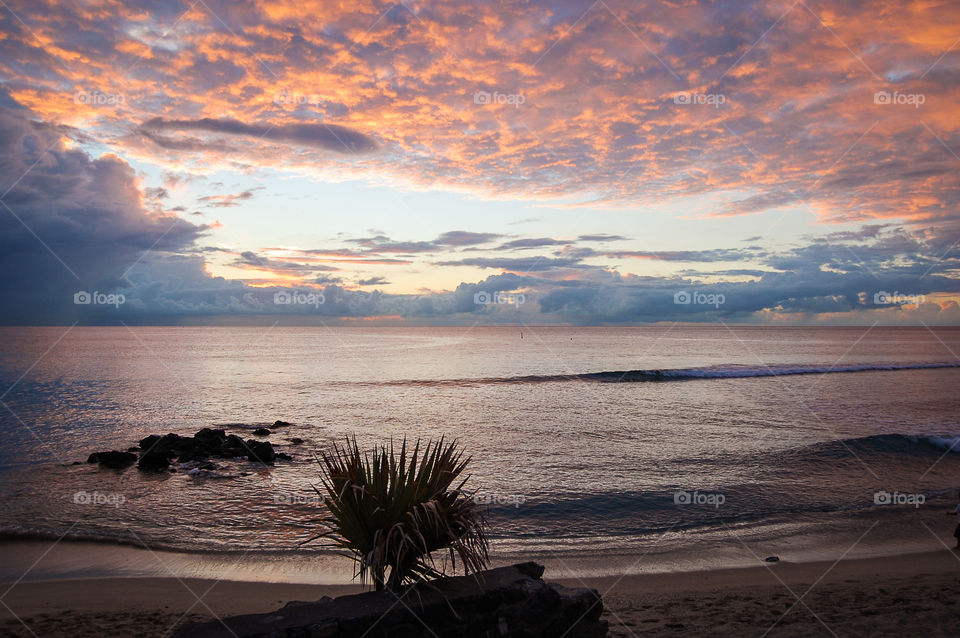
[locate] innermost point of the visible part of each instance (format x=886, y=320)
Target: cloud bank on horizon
x=605, y=162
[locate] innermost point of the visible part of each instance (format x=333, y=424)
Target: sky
x=563, y=162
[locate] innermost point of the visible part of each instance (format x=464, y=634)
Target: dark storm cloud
x=70, y=223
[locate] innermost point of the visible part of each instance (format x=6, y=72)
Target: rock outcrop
x=157, y=452
x=509, y=601
x=113, y=459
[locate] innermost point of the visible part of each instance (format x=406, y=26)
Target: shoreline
x=697, y=602
x=35, y=560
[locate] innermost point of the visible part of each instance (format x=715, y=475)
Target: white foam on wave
x=950, y=442
x=728, y=372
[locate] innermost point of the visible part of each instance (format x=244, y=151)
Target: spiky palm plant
x=391, y=512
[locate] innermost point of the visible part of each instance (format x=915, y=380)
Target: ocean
x=598, y=450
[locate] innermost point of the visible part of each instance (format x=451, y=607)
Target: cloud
x=381, y=244
x=535, y=242
x=80, y=223
x=799, y=126
x=602, y=238
x=227, y=200
x=252, y=260
x=373, y=281
x=712, y=255
x=71, y=222
x=330, y=137
x=516, y=264
x=465, y=238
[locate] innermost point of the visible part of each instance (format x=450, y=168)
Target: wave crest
x=728, y=371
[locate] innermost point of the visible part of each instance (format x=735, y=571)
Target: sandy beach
x=911, y=594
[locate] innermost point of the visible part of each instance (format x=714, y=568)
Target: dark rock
x=772, y=559
x=298, y=603
x=509, y=601
x=283, y=457
x=191, y=449
x=280, y=424
x=168, y=444
x=114, y=460
x=160, y=450
x=211, y=439
x=233, y=446
x=261, y=451
x=153, y=461
x=261, y=432
x=133, y=449
x=149, y=441
x=296, y=441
